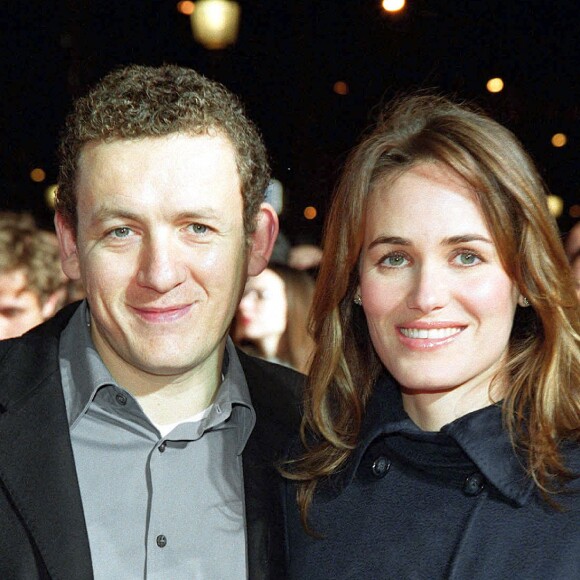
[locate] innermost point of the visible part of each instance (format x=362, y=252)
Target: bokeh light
x=49, y=196
x=38, y=175
x=559, y=140
x=393, y=5
x=555, y=205
x=340, y=88
x=495, y=85
x=575, y=211
x=185, y=7
x=310, y=212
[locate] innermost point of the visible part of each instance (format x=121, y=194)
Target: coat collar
x=479, y=435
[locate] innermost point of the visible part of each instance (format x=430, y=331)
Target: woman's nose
x=430, y=289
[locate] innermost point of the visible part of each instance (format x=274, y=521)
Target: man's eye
x=198, y=228
x=122, y=232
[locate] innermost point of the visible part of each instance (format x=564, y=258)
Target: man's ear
x=262, y=240
x=69, y=255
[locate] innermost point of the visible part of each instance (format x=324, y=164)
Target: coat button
x=381, y=466
x=162, y=447
x=121, y=399
x=473, y=484
x=161, y=541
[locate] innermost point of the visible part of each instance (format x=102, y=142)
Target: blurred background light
x=494, y=85
x=340, y=88
x=393, y=5
x=215, y=23
x=310, y=212
x=559, y=140
x=38, y=175
x=575, y=211
x=555, y=205
x=50, y=195
x=185, y=7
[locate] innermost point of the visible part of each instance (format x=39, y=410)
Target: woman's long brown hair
x=541, y=408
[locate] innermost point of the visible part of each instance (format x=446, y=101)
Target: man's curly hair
x=142, y=101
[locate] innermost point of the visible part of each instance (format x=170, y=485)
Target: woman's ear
x=263, y=239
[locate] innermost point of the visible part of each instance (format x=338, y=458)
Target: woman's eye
x=468, y=258
x=395, y=261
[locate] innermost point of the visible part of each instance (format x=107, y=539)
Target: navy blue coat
x=455, y=504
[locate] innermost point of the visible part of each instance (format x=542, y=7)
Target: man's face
x=20, y=307
x=161, y=251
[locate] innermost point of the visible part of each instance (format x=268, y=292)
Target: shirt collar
x=480, y=435
x=234, y=392
x=82, y=370
x=83, y=373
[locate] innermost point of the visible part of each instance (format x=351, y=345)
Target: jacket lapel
x=274, y=398
x=36, y=460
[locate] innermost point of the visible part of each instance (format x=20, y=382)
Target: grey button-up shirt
x=156, y=507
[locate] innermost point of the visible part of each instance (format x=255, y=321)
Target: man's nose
x=160, y=266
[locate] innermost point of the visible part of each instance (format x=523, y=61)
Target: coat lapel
x=36, y=461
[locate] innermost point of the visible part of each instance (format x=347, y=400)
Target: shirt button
x=162, y=447
x=381, y=466
x=121, y=399
x=473, y=484
x=161, y=541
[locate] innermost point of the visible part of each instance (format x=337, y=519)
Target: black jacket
x=42, y=527
x=456, y=504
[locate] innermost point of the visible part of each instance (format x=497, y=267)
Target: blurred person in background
x=573, y=253
x=442, y=412
x=32, y=284
x=272, y=318
x=305, y=257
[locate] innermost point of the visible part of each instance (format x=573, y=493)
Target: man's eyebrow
x=449, y=241
x=107, y=213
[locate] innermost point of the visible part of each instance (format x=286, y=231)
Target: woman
x=440, y=436
x=271, y=321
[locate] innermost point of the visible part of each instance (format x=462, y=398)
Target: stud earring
x=357, y=300
x=524, y=302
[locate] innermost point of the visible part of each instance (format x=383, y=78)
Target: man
x=32, y=283
x=135, y=442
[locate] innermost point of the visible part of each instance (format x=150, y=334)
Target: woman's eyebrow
x=393, y=240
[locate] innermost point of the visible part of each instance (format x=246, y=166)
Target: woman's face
x=438, y=302
x=262, y=310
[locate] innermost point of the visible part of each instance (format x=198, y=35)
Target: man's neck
x=175, y=402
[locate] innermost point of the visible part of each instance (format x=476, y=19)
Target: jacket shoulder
x=25, y=361
x=275, y=390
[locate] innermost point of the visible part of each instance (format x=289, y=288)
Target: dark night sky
x=288, y=56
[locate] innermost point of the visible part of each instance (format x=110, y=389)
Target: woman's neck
x=431, y=410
